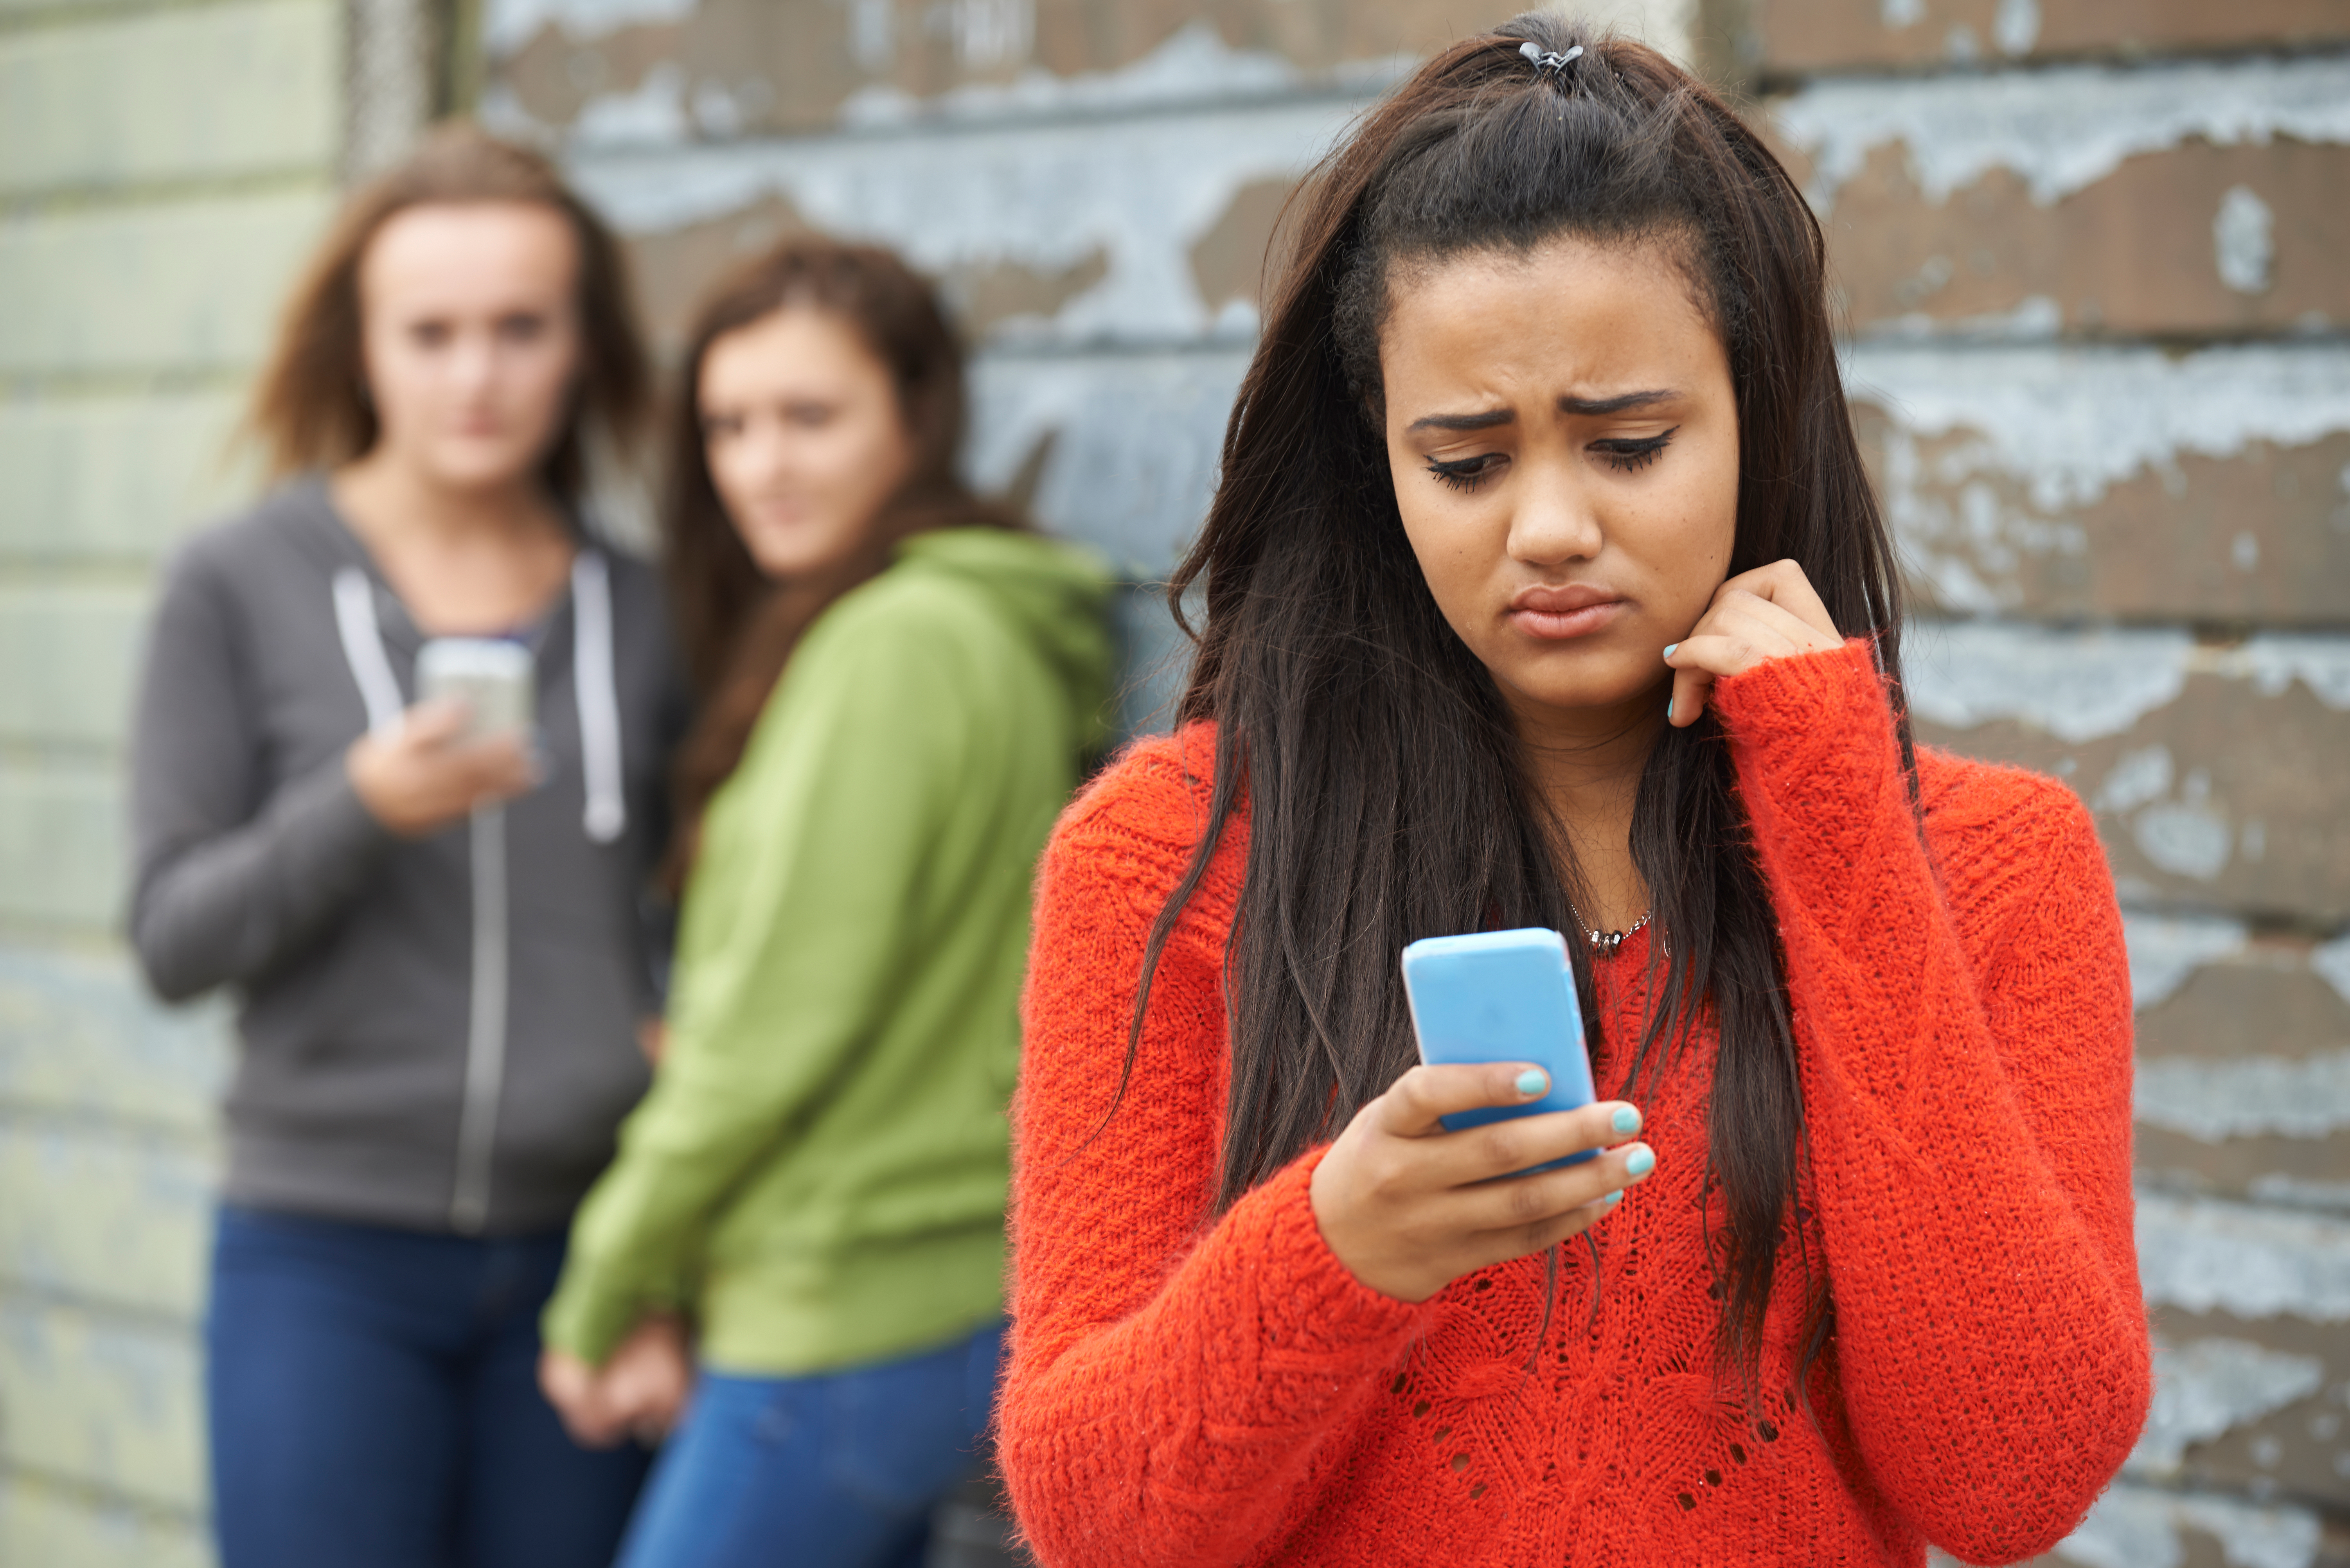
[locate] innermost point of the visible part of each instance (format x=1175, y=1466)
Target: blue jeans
x=837, y=1470
x=374, y=1404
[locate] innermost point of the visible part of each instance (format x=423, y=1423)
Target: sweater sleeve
x=228, y=882
x=1171, y=1384
x=1968, y=1119
x=793, y=935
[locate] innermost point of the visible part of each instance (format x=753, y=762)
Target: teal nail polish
x=1532, y=1083
x=1639, y=1162
x=1626, y=1119
x=1612, y=1199
x=1668, y=649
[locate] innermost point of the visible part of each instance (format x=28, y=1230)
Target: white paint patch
x=508, y=25
x=1194, y=65
x=2274, y=661
x=2138, y=1526
x=651, y=114
x=2204, y=1255
x=1136, y=441
x=2060, y=130
x=2207, y=1388
x=2242, y=240
x=2139, y=778
x=2184, y=839
x=2245, y=1096
x=2047, y=430
x=1141, y=190
x=2076, y=686
x=2015, y=27
x=2070, y=424
x=2165, y=950
x=2332, y=962
x=2297, y=1192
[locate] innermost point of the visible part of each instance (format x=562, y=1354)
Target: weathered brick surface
x=61, y=856
x=135, y=289
x=126, y=1219
x=1805, y=35
x=66, y=494
x=82, y=1043
x=735, y=67
x=2192, y=241
x=61, y=1526
x=111, y=1401
x=2123, y=482
x=2221, y=796
x=71, y=652
x=201, y=93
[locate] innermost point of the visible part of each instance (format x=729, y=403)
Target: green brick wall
x=162, y=169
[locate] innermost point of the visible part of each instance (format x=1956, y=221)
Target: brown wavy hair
x=1334, y=681
x=738, y=626
x=310, y=407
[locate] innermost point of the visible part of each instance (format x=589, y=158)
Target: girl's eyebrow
x=1620, y=403
x=1616, y=404
x=1483, y=421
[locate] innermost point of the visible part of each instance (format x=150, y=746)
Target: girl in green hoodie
x=899, y=684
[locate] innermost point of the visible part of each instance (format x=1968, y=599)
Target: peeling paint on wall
x=1193, y=66
x=2080, y=685
x=2138, y=1527
x=1136, y=440
x=2059, y=129
x=2204, y=1255
x=2165, y=949
x=2244, y=1096
x=507, y=24
x=2209, y=1386
x=1140, y=191
x=2072, y=422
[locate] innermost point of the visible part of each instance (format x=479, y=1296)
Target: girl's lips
x=1561, y=624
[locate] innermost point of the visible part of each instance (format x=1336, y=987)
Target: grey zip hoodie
x=438, y=1034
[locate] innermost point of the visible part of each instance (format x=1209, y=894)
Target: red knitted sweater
x=1192, y=1389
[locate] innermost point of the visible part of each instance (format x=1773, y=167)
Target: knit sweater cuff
x=1314, y=1306
x=1835, y=685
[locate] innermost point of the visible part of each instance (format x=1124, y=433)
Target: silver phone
x=490, y=675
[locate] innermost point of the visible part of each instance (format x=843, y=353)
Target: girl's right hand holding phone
x=422, y=775
x=1409, y=1207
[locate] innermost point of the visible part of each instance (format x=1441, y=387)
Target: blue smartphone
x=1501, y=996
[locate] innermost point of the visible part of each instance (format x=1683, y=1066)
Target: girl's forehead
x=1574, y=318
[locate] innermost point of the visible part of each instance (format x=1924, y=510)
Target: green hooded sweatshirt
x=818, y=1173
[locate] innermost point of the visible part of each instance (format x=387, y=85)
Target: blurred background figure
x=900, y=683
x=433, y=932
x=2088, y=256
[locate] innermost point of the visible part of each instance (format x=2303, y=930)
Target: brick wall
x=161, y=167
x=2089, y=253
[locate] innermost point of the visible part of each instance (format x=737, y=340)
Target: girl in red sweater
x=1544, y=587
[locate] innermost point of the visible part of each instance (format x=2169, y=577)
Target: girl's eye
x=1626, y=455
x=1466, y=472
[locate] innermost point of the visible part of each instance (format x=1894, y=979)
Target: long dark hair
x=1384, y=787
x=310, y=407
x=738, y=626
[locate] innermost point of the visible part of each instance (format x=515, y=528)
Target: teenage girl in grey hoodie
x=434, y=940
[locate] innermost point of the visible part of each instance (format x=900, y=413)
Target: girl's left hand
x=1768, y=613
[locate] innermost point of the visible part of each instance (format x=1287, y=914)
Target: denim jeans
x=374, y=1404
x=835, y=1471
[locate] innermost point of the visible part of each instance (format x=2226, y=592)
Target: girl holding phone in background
x=433, y=935
x=899, y=682
x=1545, y=587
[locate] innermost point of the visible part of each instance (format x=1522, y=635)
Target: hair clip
x=1544, y=61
